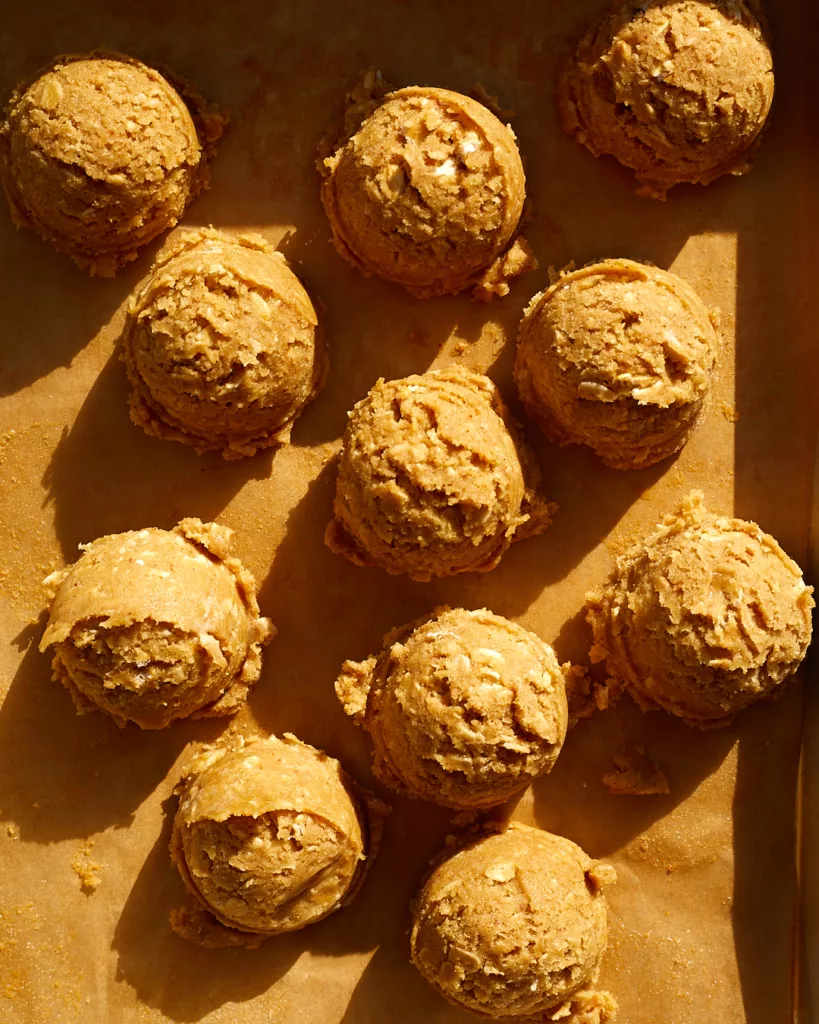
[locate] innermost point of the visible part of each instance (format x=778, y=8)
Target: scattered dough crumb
x=492, y=102
x=516, y=260
x=635, y=774
x=463, y=819
x=13, y=830
x=86, y=869
x=195, y=924
x=729, y=411
x=583, y=694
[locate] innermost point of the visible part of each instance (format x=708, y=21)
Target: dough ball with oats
x=156, y=625
x=100, y=154
x=464, y=708
x=222, y=345
x=270, y=836
x=514, y=925
x=434, y=478
x=428, y=193
x=703, y=618
x=676, y=90
x=617, y=356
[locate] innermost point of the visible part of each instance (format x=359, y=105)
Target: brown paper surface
x=702, y=919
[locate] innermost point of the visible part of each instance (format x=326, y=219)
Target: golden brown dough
x=155, y=625
x=464, y=708
x=677, y=90
x=514, y=926
x=100, y=154
x=428, y=193
x=617, y=356
x=702, y=618
x=270, y=836
x=434, y=478
x=222, y=345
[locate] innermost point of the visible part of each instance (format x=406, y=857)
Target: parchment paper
x=703, y=914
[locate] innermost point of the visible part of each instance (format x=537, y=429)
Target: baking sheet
x=703, y=914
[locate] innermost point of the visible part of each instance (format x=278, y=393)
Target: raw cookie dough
x=270, y=835
x=100, y=154
x=433, y=478
x=677, y=90
x=514, y=926
x=154, y=625
x=617, y=356
x=428, y=193
x=703, y=618
x=464, y=708
x=222, y=345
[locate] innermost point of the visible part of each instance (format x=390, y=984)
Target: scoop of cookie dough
x=434, y=478
x=464, y=708
x=100, y=154
x=617, y=356
x=222, y=345
x=677, y=90
x=703, y=618
x=155, y=625
x=270, y=835
x=513, y=925
x=428, y=194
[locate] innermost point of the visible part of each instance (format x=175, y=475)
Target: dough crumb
x=584, y=695
x=13, y=830
x=587, y=1007
x=196, y=925
x=518, y=259
x=492, y=102
x=86, y=869
x=729, y=411
x=635, y=774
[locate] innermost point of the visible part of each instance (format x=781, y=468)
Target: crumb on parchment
x=635, y=774
x=86, y=869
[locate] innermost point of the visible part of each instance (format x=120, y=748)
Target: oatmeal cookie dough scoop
x=676, y=90
x=100, y=154
x=703, y=618
x=618, y=356
x=428, y=193
x=222, y=345
x=270, y=836
x=156, y=625
x=464, y=708
x=434, y=478
x=514, y=926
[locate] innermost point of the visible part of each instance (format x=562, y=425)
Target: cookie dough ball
x=677, y=90
x=514, y=926
x=222, y=345
x=155, y=625
x=464, y=708
x=270, y=836
x=703, y=618
x=427, y=193
x=617, y=356
x=101, y=154
x=433, y=478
